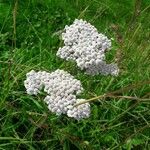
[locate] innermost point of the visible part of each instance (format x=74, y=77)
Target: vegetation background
x=29, y=39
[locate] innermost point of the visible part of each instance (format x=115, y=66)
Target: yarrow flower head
x=83, y=44
x=61, y=88
x=79, y=112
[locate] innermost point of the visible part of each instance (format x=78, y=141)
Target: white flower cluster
x=87, y=47
x=79, y=112
x=62, y=89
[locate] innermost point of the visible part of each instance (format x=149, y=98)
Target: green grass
x=25, y=121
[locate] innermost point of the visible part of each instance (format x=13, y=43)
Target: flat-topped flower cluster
x=62, y=89
x=83, y=44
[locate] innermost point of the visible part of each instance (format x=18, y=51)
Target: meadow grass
x=30, y=37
